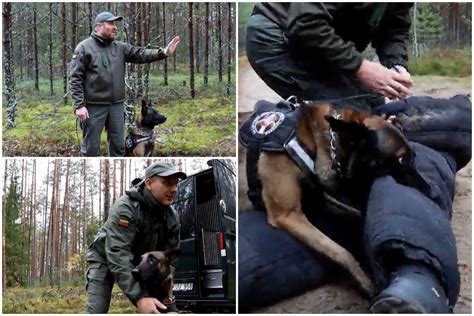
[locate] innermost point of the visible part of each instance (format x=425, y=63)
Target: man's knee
x=99, y=288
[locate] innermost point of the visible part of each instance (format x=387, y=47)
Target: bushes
x=442, y=62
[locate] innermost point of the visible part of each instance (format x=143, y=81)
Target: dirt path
x=343, y=299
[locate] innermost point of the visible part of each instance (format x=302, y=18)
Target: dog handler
x=140, y=221
x=312, y=50
x=97, y=83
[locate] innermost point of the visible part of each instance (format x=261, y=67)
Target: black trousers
x=268, y=54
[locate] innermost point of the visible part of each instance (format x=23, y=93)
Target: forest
x=195, y=87
x=52, y=208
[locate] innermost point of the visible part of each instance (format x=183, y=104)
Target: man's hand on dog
x=387, y=82
x=149, y=305
x=171, y=48
x=82, y=113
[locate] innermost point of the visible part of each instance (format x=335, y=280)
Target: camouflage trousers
x=99, y=284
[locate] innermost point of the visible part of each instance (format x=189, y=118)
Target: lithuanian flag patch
x=123, y=222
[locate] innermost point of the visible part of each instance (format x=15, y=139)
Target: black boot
x=413, y=289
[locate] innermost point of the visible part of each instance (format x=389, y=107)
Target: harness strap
x=254, y=193
x=300, y=156
x=143, y=139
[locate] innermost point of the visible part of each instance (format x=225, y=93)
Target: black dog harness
x=139, y=135
x=272, y=128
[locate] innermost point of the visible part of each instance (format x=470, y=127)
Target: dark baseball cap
x=107, y=17
x=163, y=170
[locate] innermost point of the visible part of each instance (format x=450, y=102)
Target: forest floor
x=54, y=300
x=342, y=298
x=204, y=126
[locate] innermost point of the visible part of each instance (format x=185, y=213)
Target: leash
x=294, y=100
x=77, y=134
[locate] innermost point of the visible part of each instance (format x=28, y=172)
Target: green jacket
x=97, y=70
x=137, y=224
x=335, y=34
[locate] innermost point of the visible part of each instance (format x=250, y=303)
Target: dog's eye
x=401, y=160
x=151, y=259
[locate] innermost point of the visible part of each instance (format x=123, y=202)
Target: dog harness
x=272, y=128
x=138, y=135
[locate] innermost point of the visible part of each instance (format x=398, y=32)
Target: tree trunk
x=106, y=190
x=121, y=176
x=85, y=213
x=206, y=47
x=196, y=26
x=74, y=25
x=50, y=52
x=89, y=15
x=35, y=48
x=229, y=48
x=219, y=40
x=174, y=34
x=138, y=23
x=8, y=66
x=4, y=274
x=165, y=61
x=191, y=50
x=146, y=43
x=64, y=51
x=45, y=230
x=130, y=72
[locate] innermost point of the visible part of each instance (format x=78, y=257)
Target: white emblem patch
x=267, y=122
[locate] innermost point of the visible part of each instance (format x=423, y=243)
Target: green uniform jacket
x=97, y=70
x=335, y=34
x=136, y=224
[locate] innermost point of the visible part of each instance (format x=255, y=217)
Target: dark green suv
x=205, y=274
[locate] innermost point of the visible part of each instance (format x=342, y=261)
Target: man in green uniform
x=97, y=83
x=140, y=221
x=314, y=50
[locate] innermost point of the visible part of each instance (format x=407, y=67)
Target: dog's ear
x=144, y=107
x=150, y=104
x=172, y=253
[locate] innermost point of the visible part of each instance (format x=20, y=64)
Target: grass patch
x=64, y=300
x=442, y=62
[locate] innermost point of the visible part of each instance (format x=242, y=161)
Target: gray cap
x=107, y=16
x=163, y=170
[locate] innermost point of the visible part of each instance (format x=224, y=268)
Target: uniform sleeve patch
x=123, y=222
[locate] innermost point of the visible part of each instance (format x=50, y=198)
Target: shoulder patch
x=123, y=221
x=267, y=122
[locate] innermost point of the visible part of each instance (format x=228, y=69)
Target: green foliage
x=442, y=62
x=92, y=230
x=16, y=255
x=429, y=23
x=67, y=299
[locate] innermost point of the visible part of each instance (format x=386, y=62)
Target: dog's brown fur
x=162, y=264
x=282, y=192
x=140, y=150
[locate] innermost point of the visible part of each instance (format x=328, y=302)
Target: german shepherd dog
x=141, y=141
x=366, y=146
x=154, y=273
